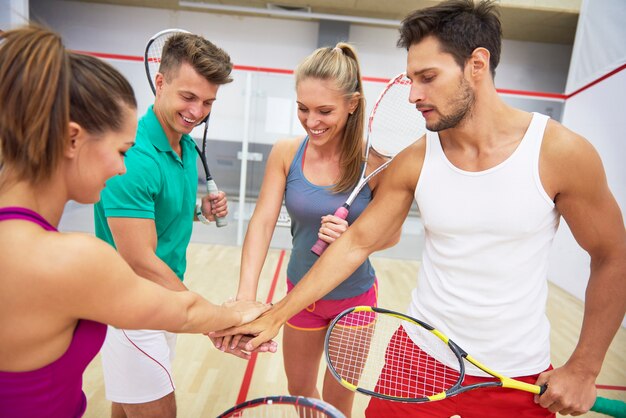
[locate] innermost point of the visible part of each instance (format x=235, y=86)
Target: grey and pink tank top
x=306, y=204
x=54, y=390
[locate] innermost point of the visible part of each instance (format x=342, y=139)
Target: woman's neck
x=43, y=199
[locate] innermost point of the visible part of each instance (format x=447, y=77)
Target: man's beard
x=463, y=104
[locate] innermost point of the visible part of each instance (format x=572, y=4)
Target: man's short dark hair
x=460, y=26
x=207, y=59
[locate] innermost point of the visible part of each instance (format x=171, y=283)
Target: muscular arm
x=136, y=241
x=573, y=171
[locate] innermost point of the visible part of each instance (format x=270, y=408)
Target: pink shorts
x=319, y=315
x=478, y=403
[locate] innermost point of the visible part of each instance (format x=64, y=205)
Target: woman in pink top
x=65, y=124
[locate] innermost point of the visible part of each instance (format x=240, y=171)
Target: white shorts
x=137, y=365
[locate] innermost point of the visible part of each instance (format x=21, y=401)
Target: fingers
x=263, y=337
x=223, y=345
x=215, y=205
x=233, y=341
x=334, y=220
x=542, y=380
x=241, y=329
x=218, y=342
x=272, y=346
x=226, y=343
x=266, y=347
x=237, y=346
x=565, y=394
x=253, y=310
x=331, y=228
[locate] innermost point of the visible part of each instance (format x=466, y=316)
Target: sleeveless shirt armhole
x=430, y=136
x=301, y=149
x=540, y=123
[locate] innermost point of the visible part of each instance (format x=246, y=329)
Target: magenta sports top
x=54, y=390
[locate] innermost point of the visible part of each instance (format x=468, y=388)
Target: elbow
x=395, y=239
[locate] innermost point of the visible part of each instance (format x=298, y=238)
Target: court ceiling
x=551, y=21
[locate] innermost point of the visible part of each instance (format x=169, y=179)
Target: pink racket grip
x=211, y=188
x=320, y=246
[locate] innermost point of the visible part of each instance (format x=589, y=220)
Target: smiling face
x=439, y=88
x=183, y=99
x=323, y=109
x=92, y=159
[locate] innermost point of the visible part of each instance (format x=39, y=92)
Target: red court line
x=533, y=94
x=247, y=376
x=262, y=69
x=611, y=387
x=375, y=79
x=539, y=94
x=593, y=83
x=111, y=56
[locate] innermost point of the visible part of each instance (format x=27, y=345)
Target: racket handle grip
x=610, y=407
x=211, y=188
x=320, y=246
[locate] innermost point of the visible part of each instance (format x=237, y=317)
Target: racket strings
x=153, y=55
x=395, y=123
x=375, y=353
x=410, y=372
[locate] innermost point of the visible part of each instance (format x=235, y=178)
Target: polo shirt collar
x=158, y=138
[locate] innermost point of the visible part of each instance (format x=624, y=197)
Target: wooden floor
x=208, y=381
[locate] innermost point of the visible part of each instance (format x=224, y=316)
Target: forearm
x=253, y=254
x=605, y=306
x=156, y=270
x=202, y=316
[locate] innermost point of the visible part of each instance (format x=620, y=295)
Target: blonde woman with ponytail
x=314, y=175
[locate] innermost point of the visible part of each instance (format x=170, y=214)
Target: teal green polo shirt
x=157, y=185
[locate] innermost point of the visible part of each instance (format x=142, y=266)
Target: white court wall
x=597, y=113
x=275, y=43
x=13, y=13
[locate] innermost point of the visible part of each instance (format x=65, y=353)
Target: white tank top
x=483, y=278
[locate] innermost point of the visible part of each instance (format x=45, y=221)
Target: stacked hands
x=236, y=342
x=257, y=327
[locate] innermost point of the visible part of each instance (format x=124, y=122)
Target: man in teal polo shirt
x=148, y=213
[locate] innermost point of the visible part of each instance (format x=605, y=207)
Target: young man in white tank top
x=491, y=182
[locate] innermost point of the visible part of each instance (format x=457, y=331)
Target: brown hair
x=460, y=26
x=208, y=60
x=341, y=65
x=42, y=87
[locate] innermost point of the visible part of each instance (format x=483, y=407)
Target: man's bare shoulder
x=568, y=161
x=407, y=166
x=415, y=153
x=559, y=142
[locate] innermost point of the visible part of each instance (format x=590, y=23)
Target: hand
x=263, y=328
x=571, y=390
x=248, y=309
x=214, y=205
x=331, y=228
x=236, y=347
